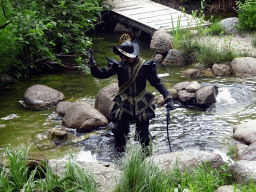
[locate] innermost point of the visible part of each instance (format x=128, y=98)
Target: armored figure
x=132, y=103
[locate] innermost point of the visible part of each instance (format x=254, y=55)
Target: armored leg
x=143, y=131
x=120, y=131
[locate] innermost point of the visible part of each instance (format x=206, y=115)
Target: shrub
x=247, y=14
x=42, y=31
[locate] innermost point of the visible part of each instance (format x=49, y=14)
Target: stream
x=190, y=128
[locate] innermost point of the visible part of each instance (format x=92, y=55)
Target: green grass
x=143, y=175
x=17, y=176
x=254, y=40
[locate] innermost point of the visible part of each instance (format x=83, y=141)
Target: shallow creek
x=190, y=127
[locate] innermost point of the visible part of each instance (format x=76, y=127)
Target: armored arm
x=103, y=73
x=155, y=81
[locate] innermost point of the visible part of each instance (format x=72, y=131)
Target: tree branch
x=5, y=25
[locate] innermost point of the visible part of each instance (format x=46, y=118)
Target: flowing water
x=190, y=127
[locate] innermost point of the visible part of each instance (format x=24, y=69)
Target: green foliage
x=247, y=14
x=254, y=40
x=216, y=28
x=41, y=31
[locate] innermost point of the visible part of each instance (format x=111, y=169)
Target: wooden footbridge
x=148, y=16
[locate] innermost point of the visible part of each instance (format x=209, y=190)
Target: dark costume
x=132, y=103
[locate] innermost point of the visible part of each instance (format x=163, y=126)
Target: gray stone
x=83, y=117
x=158, y=58
x=248, y=153
x=62, y=107
x=104, y=99
x=120, y=28
x=189, y=159
x=221, y=69
x=245, y=132
x=191, y=73
x=193, y=87
x=174, y=58
x=240, y=147
x=187, y=97
x=58, y=134
x=181, y=86
x=243, y=171
x=159, y=100
x=227, y=188
x=40, y=97
x=161, y=41
x=244, y=65
x=229, y=25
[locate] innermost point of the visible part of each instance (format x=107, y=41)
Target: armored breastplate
x=134, y=100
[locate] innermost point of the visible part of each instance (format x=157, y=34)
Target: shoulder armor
x=150, y=62
x=112, y=61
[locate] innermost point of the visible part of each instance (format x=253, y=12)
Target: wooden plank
x=159, y=16
x=141, y=10
x=149, y=16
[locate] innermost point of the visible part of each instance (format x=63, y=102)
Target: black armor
x=132, y=103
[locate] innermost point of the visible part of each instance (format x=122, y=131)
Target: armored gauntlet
x=169, y=103
x=91, y=61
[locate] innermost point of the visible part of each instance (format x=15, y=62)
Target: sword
x=168, y=121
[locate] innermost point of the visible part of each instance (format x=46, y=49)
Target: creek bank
x=168, y=56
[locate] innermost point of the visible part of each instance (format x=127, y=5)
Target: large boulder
x=106, y=174
x=105, y=98
x=40, y=97
x=174, y=58
x=249, y=153
x=245, y=132
x=187, y=159
x=83, y=117
x=206, y=95
x=243, y=171
x=229, y=25
x=161, y=41
x=244, y=65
